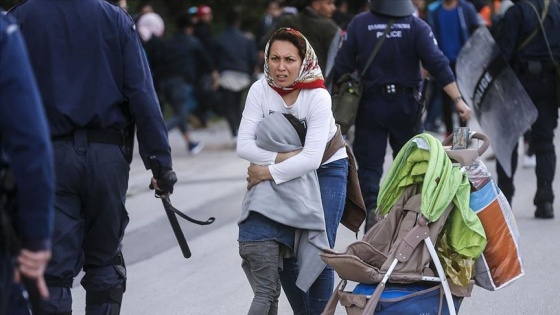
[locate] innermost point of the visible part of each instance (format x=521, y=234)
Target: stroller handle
x=474, y=135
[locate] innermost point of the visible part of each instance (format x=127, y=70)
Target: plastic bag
x=500, y=264
x=459, y=269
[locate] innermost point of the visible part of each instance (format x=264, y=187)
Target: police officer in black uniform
x=95, y=81
x=25, y=148
x=388, y=108
x=533, y=50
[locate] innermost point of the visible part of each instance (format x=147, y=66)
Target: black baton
x=172, y=212
x=34, y=296
x=423, y=99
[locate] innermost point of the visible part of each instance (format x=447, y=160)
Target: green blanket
x=423, y=160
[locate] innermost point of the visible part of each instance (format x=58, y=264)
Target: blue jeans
x=332, y=180
x=261, y=264
x=180, y=96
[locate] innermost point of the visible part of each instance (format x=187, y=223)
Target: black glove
x=166, y=181
x=164, y=176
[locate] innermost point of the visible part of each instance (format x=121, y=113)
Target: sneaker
x=195, y=147
x=529, y=161
x=491, y=157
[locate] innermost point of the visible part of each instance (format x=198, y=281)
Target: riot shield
x=490, y=87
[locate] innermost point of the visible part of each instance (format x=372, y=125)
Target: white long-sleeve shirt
x=312, y=107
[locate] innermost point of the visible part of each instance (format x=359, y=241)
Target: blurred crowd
x=216, y=63
x=219, y=79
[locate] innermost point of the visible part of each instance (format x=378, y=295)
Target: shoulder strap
x=377, y=47
x=536, y=30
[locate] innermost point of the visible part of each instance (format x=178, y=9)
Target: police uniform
x=534, y=67
x=26, y=149
x=91, y=71
x=388, y=108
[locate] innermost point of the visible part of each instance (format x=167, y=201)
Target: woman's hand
x=256, y=174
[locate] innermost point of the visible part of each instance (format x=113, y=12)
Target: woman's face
x=284, y=63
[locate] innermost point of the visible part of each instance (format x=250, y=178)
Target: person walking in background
x=533, y=50
x=452, y=21
x=268, y=20
x=266, y=25
x=150, y=26
x=420, y=8
x=207, y=83
x=94, y=82
x=314, y=21
x=236, y=61
x=25, y=148
x=341, y=15
x=184, y=56
x=388, y=109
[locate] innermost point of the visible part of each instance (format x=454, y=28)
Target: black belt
x=106, y=136
x=58, y=282
x=392, y=89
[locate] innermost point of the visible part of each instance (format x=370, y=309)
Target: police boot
x=544, y=210
x=543, y=200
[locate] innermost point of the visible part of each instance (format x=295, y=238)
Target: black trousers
x=90, y=221
x=541, y=90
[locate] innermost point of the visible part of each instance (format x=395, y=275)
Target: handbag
x=345, y=103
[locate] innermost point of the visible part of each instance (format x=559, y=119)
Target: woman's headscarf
x=310, y=75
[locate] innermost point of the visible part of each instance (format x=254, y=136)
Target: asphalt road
x=161, y=281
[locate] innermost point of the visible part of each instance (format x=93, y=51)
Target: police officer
x=95, y=81
x=388, y=108
x=533, y=52
x=26, y=149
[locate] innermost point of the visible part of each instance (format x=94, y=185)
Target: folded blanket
x=295, y=203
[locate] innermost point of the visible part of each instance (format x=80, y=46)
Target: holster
x=128, y=146
x=557, y=69
x=128, y=132
x=9, y=241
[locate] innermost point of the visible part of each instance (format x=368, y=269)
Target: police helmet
x=396, y=8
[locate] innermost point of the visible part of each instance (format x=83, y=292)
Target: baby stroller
x=396, y=264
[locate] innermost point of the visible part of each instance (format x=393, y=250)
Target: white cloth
x=235, y=81
x=312, y=106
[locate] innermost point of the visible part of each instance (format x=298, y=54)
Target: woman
x=293, y=84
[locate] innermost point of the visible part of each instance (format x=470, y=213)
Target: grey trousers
x=262, y=262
